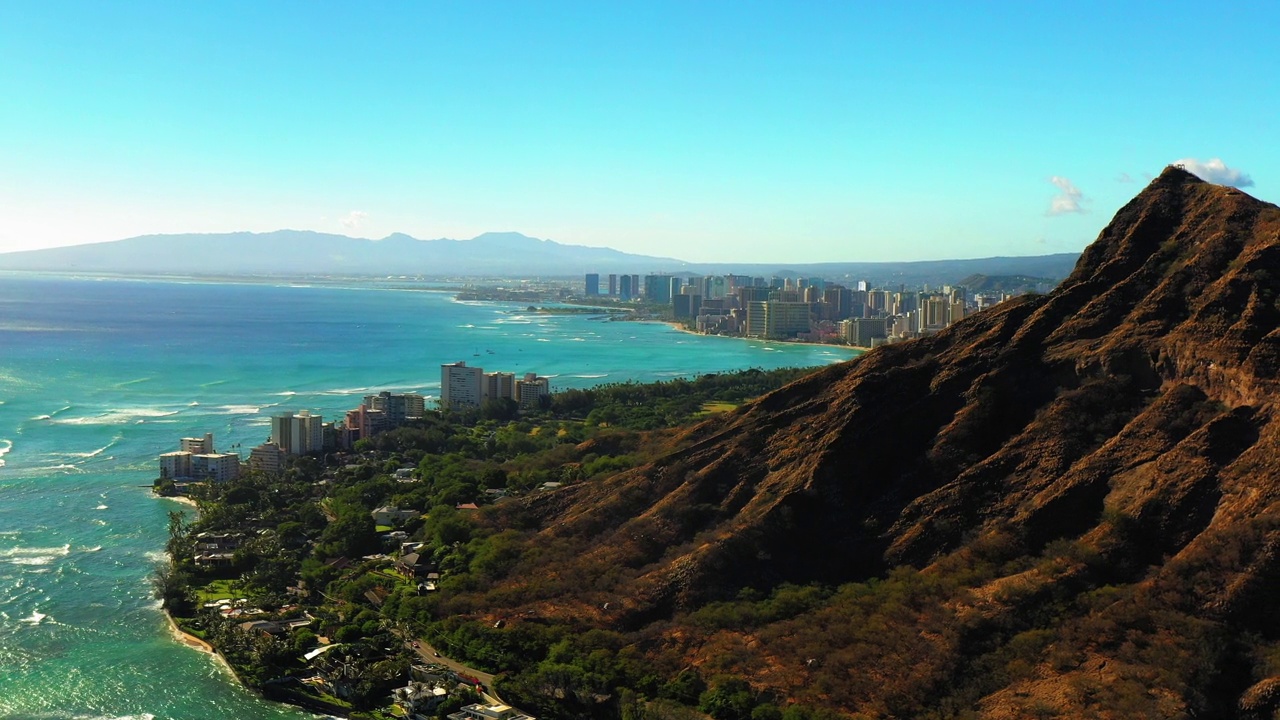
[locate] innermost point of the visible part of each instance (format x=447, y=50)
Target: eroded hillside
x=1064, y=505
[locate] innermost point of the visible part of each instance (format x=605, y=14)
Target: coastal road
x=431, y=655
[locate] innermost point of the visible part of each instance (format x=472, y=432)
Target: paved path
x=431, y=655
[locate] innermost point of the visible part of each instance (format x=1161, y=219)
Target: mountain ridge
x=1068, y=504
x=306, y=252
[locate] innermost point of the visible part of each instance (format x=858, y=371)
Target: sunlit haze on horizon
x=709, y=131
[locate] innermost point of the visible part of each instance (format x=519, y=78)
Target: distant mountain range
x=300, y=252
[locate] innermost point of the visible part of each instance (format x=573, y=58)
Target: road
x=431, y=655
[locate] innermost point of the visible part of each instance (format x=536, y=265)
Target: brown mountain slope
x=1087, y=482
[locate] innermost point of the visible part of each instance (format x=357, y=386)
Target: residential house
x=390, y=515
x=489, y=712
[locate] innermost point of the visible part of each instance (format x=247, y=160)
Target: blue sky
x=708, y=131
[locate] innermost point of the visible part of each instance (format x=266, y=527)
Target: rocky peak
x=1128, y=414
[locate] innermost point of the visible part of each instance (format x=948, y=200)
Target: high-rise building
x=837, y=302
x=218, y=467
x=365, y=422
x=498, y=385
x=676, y=282
x=197, y=446
x=752, y=294
x=716, y=288
x=531, y=390
x=298, y=434
x=862, y=332
x=593, y=284
x=685, y=306
x=756, y=312
x=777, y=319
x=183, y=465
x=613, y=285
x=175, y=465
x=267, y=458
x=657, y=288
x=196, y=459
x=397, y=407
x=935, y=310
x=624, y=288
x=461, y=387
x=877, y=301
x=786, y=319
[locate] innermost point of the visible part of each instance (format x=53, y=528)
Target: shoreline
x=194, y=643
x=190, y=640
x=681, y=328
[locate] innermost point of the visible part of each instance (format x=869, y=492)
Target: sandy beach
x=181, y=499
x=189, y=640
x=681, y=328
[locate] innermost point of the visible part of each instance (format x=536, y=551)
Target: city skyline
x=772, y=133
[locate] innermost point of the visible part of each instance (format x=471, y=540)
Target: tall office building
x=613, y=285
x=685, y=306
x=593, y=284
x=461, y=387
x=657, y=288
x=635, y=286
x=750, y=294
x=716, y=287
x=298, y=434
x=624, y=288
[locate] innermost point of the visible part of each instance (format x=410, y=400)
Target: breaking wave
x=99, y=451
x=35, y=618
x=33, y=555
x=121, y=416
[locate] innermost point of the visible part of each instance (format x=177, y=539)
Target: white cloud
x=1124, y=178
x=1068, y=198
x=1215, y=171
x=353, y=219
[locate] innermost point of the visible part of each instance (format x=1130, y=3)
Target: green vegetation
x=274, y=568
x=216, y=590
x=714, y=408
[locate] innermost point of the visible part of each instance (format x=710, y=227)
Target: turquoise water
x=99, y=376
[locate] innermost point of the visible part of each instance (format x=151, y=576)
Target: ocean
x=98, y=376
